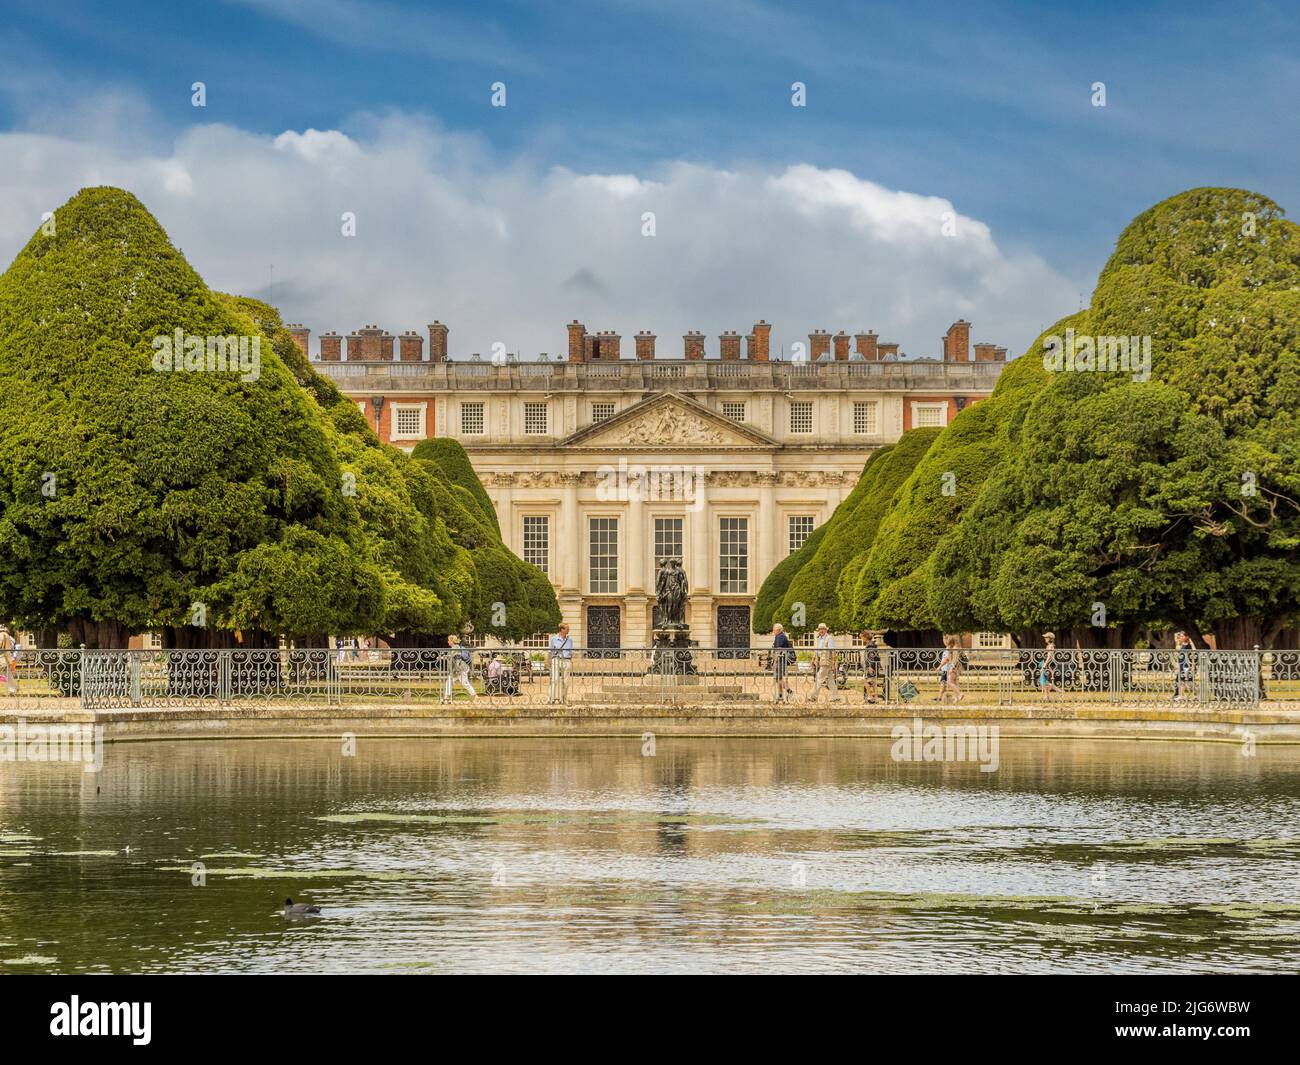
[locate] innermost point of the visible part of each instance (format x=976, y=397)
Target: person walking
x=458, y=663
x=824, y=665
x=1047, y=671
x=559, y=662
x=1183, y=676
x=870, y=666
x=950, y=670
x=782, y=656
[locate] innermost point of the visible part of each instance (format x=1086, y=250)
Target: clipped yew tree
x=513, y=598
x=1135, y=501
x=812, y=597
x=431, y=583
x=132, y=497
x=892, y=578
x=768, y=601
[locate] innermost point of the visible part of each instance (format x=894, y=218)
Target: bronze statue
x=671, y=591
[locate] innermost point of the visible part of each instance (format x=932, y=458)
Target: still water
x=712, y=855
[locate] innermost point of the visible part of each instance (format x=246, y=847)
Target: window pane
x=535, y=419
x=471, y=419
x=537, y=542
x=801, y=417
x=801, y=527
x=734, y=411
x=733, y=562
x=668, y=539
x=601, y=411
x=864, y=418
x=604, y=555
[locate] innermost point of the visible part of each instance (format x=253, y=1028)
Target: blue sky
x=985, y=106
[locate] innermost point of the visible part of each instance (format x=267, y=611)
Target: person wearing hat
x=1047, y=672
x=782, y=656
x=824, y=665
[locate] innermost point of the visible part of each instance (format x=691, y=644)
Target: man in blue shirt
x=559, y=662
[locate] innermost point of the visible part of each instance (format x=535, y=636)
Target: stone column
x=768, y=538
x=700, y=566
x=571, y=538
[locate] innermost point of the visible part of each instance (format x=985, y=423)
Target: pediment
x=670, y=421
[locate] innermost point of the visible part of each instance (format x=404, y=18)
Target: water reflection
x=712, y=855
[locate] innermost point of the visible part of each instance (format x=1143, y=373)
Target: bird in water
x=298, y=909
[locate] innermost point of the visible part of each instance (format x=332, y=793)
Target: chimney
x=956, y=342
x=759, y=342
x=889, y=351
x=410, y=346
x=841, y=346
x=437, y=342
x=819, y=343
x=694, y=345
x=331, y=347
x=984, y=352
x=999, y=354
x=300, y=333
x=645, y=345
x=577, y=341
x=370, y=344
x=608, y=346
x=866, y=344
x=729, y=346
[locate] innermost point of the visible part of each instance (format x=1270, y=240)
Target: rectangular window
x=929, y=416
x=535, y=419
x=734, y=411
x=801, y=419
x=864, y=419
x=604, y=555
x=408, y=422
x=668, y=539
x=733, y=559
x=601, y=411
x=471, y=419
x=537, y=542
x=801, y=527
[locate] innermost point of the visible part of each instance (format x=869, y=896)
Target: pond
x=685, y=855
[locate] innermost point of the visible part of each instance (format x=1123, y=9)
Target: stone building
x=599, y=464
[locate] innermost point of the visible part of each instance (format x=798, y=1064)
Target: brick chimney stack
x=984, y=352
x=437, y=342
x=410, y=346
x=819, y=343
x=300, y=333
x=577, y=341
x=956, y=342
x=694, y=341
x=645, y=345
x=331, y=347
x=841, y=346
x=760, y=342
x=729, y=346
x=370, y=343
x=866, y=345
x=608, y=346
x=887, y=351
x=999, y=354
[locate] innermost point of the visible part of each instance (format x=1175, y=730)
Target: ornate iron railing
x=506, y=677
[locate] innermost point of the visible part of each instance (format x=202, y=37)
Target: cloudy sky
x=949, y=162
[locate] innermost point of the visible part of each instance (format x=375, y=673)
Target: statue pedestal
x=672, y=652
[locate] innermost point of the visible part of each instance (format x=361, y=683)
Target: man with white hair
x=782, y=656
x=824, y=665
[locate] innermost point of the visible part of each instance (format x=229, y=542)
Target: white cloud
x=503, y=251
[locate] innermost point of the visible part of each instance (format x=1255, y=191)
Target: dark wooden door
x=733, y=631
x=604, y=626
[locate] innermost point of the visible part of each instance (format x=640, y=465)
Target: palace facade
x=600, y=465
